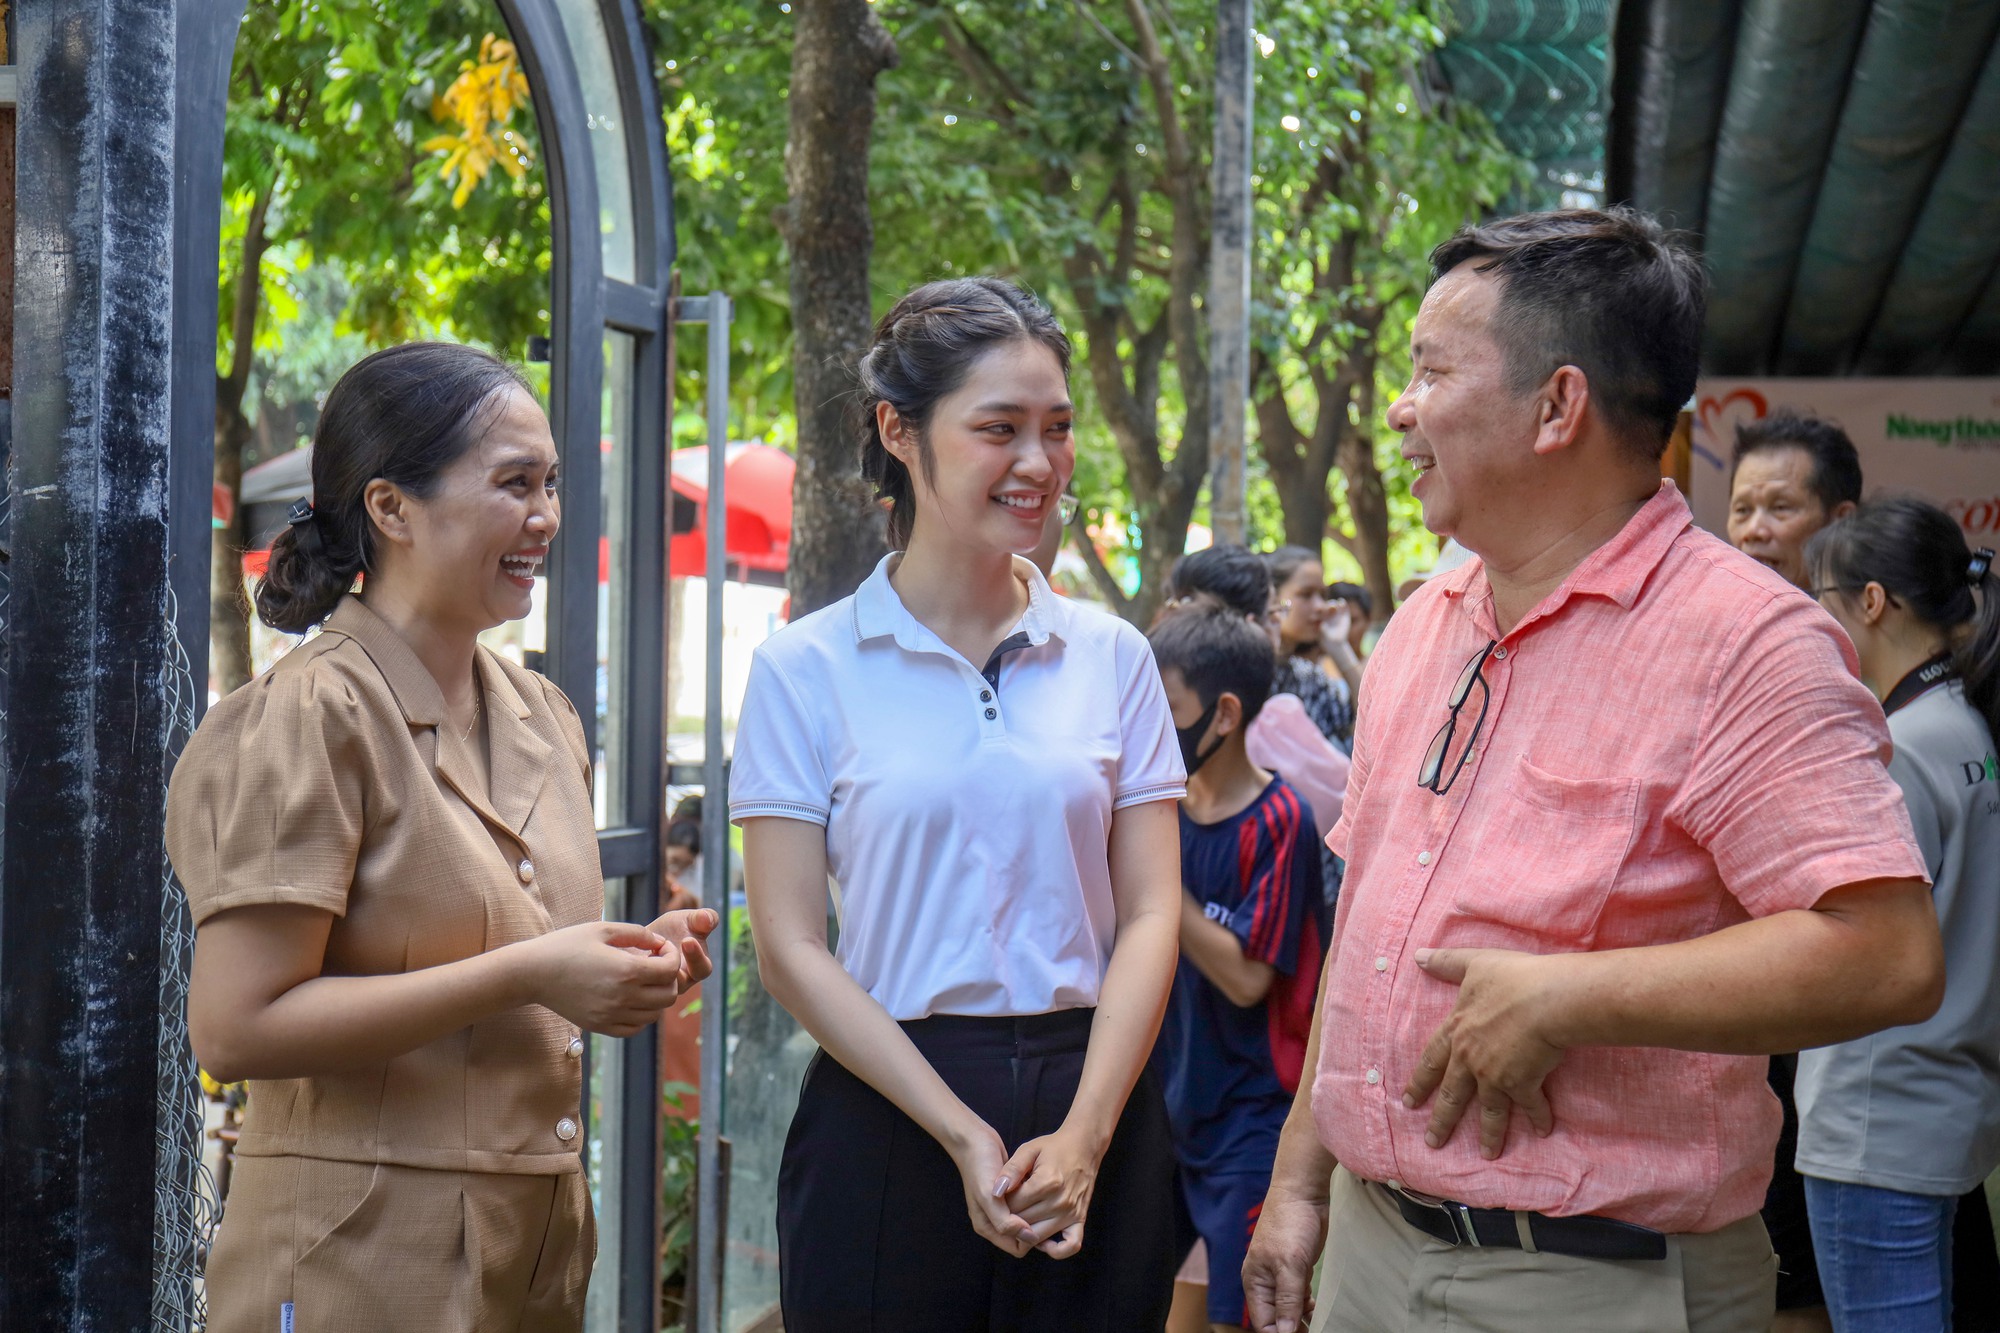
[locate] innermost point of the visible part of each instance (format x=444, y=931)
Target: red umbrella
x=758, y=526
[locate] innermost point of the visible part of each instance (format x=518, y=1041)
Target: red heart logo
x=1709, y=414
x=1709, y=409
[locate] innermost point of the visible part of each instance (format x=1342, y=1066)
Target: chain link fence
x=184, y=1197
x=1541, y=71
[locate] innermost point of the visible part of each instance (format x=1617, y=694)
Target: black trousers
x=873, y=1235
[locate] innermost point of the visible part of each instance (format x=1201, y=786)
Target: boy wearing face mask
x=1253, y=933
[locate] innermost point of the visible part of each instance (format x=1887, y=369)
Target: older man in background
x=1618, y=827
x=1790, y=476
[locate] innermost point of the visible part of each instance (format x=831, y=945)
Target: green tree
x=1090, y=176
x=361, y=138
x=1086, y=177
x=1360, y=176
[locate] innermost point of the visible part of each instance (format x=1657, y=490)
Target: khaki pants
x=358, y=1248
x=1382, y=1275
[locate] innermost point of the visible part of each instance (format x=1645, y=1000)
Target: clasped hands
x=614, y=977
x=1034, y=1200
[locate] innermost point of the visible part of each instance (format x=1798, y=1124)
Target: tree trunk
x=228, y=608
x=838, y=532
x=1367, y=502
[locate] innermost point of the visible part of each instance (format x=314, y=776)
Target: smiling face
x=1001, y=448
x=1773, y=510
x=1470, y=436
x=470, y=551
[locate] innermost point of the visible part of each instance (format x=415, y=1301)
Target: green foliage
x=1002, y=142
x=331, y=126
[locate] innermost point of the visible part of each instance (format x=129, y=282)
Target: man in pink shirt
x=1618, y=826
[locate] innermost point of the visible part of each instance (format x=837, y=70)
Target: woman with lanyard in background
x=990, y=777
x=389, y=854
x=1894, y=1128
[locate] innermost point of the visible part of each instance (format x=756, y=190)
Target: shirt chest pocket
x=1550, y=854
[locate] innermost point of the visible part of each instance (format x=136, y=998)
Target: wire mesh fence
x=1541, y=71
x=184, y=1197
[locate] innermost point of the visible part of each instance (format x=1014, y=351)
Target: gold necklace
x=477, y=703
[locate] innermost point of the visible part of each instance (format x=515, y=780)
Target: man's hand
x=1494, y=1048
x=1277, y=1272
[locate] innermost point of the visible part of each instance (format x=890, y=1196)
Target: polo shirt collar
x=879, y=611
x=1616, y=571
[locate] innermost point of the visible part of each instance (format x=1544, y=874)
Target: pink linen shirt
x=1676, y=742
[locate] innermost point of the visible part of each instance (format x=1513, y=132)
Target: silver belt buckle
x=1457, y=1214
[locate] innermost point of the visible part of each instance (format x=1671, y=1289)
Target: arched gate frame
x=604, y=152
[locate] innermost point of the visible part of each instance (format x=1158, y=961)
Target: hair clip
x=301, y=512
x=1982, y=560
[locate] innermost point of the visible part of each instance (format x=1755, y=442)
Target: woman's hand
x=606, y=976
x=687, y=929
x=1335, y=624
x=978, y=1154
x=1049, y=1181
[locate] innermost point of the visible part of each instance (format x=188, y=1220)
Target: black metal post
x=87, y=638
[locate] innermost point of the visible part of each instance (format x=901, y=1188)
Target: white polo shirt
x=967, y=819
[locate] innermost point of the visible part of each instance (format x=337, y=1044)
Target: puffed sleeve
x=1149, y=753
x=778, y=768
x=572, y=728
x=267, y=804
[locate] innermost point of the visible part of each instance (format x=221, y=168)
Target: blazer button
x=576, y=1047
x=526, y=870
x=565, y=1129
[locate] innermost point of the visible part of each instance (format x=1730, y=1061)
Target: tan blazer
x=329, y=781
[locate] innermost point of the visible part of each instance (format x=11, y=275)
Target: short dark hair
x=685, y=833
x=1610, y=292
x=923, y=350
x=1836, y=466
x=1352, y=592
x=403, y=414
x=1234, y=575
x=1217, y=652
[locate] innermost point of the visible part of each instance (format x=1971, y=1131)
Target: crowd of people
x=1632, y=907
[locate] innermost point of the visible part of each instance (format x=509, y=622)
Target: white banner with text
x=1939, y=439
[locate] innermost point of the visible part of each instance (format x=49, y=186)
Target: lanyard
x=1920, y=682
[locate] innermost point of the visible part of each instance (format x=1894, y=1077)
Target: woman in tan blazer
x=388, y=847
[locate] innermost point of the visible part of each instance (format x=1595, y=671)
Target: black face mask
x=1190, y=738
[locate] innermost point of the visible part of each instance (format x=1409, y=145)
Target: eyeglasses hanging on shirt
x=1431, y=776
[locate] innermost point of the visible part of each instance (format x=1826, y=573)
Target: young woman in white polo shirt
x=988, y=775
x=1898, y=1131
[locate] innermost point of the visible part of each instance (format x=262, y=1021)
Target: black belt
x=1500, y=1228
